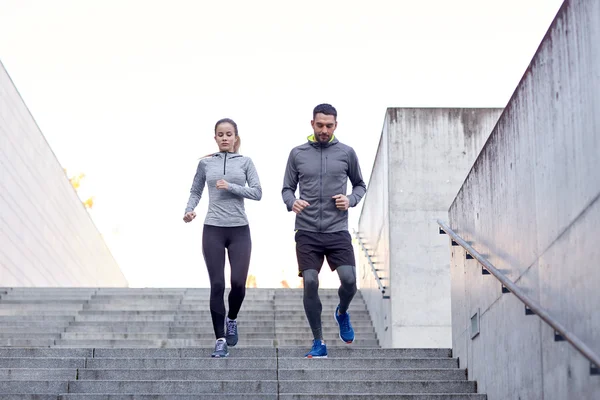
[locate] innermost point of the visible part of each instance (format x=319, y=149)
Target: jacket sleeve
x=253, y=191
x=290, y=182
x=358, y=185
x=197, y=187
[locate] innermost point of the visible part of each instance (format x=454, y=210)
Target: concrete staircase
x=133, y=344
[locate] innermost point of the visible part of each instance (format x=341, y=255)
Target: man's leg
x=312, y=302
x=310, y=259
x=341, y=258
x=347, y=290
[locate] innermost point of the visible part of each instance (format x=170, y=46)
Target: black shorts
x=313, y=247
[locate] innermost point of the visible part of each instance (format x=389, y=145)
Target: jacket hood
x=311, y=139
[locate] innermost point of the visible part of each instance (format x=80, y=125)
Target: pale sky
x=128, y=92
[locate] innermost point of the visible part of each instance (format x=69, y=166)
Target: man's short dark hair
x=326, y=109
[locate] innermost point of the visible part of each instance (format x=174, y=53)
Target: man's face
x=323, y=126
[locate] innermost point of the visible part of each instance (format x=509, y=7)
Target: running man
x=322, y=167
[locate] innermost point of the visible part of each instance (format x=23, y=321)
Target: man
x=322, y=167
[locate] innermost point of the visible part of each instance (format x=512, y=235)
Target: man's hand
x=189, y=216
x=222, y=184
x=341, y=202
x=299, y=205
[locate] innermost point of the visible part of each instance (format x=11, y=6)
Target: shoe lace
x=345, y=322
x=220, y=346
x=231, y=327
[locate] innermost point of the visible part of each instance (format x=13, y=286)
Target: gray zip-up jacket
x=225, y=207
x=322, y=171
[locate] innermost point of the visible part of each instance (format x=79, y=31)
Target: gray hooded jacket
x=225, y=207
x=322, y=171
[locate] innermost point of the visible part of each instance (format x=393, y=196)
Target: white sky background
x=128, y=92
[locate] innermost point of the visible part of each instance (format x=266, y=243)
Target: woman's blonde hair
x=238, y=141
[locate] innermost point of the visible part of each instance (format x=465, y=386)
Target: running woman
x=226, y=174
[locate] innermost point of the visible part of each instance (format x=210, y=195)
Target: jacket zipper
x=224, y=163
x=321, y=194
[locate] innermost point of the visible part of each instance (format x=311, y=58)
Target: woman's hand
x=222, y=184
x=189, y=216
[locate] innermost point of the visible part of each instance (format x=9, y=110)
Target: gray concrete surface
x=531, y=205
x=423, y=157
x=48, y=237
x=113, y=365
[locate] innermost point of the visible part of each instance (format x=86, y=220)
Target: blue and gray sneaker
x=221, y=350
x=231, y=330
x=343, y=321
x=319, y=350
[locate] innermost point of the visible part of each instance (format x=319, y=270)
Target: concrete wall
x=423, y=158
x=46, y=236
x=531, y=205
x=374, y=230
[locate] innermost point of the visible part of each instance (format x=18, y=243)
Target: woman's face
x=225, y=137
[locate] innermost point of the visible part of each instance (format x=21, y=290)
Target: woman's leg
x=213, y=249
x=239, y=249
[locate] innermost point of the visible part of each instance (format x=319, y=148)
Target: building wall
x=423, y=158
x=47, y=238
x=374, y=232
x=531, y=205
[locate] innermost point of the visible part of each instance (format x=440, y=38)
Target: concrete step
x=185, y=352
x=381, y=396
x=83, y=343
x=38, y=362
x=210, y=342
x=40, y=300
x=227, y=396
x=185, y=363
x=362, y=375
x=12, y=319
x=205, y=312
x=34, y=387
x=335, y=362
x=19, y=330
x=220, y=396
x=45, y=352
x=174, y=387
x=178, y=374
x=377, y=386
x=22, y=374
x=48, y=306
x=349, y=351
x=18, y=342
x=191, y=325
x=201, y=335
x=30, y=335
x=36, y=312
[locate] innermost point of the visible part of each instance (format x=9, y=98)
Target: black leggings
x=237, y=241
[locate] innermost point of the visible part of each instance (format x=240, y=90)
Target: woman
x=225, y=227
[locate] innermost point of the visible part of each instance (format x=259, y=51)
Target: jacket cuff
x=352, y=200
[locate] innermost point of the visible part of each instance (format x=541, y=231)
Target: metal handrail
x=530, y=303
x=377, y=278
